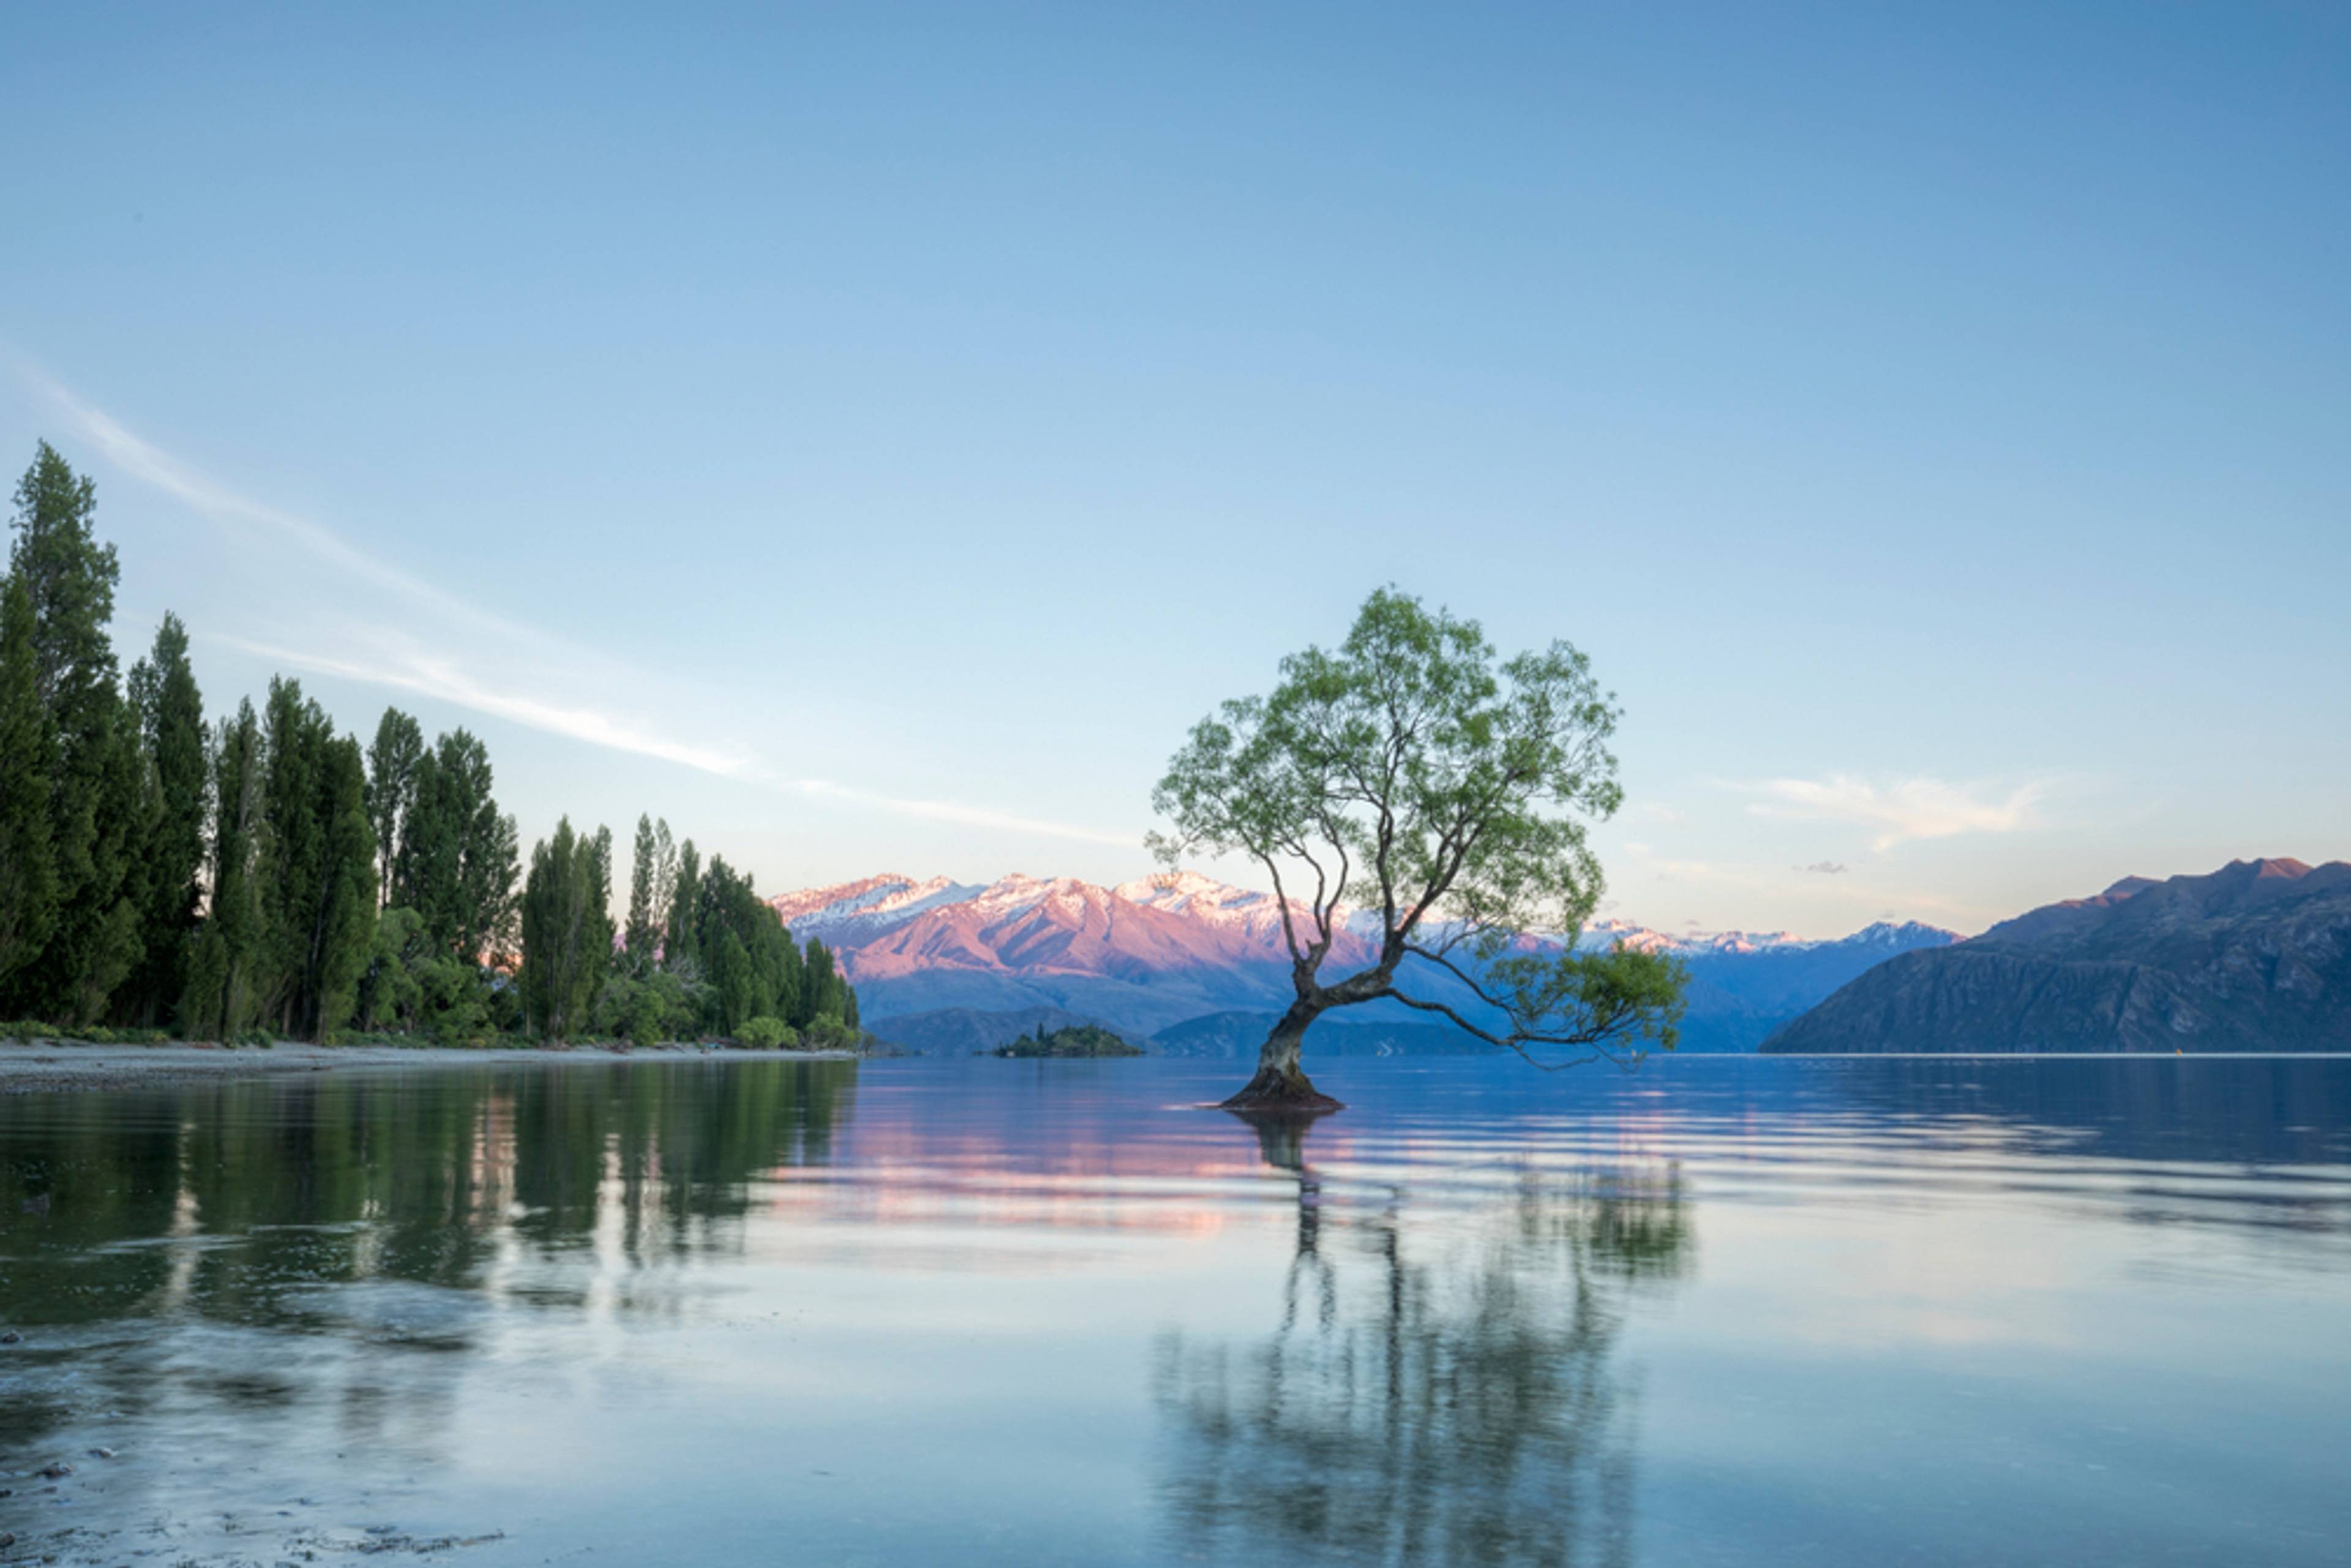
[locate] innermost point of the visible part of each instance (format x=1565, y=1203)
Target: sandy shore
x=55, y=1065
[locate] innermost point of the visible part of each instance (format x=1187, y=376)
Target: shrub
x=827, y=1032
x=766, y=1033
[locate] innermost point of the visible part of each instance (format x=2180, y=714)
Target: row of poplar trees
x=266, y=874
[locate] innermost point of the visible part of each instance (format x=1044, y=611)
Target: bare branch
x=1594, y=1040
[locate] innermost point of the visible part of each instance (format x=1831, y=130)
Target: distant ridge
x=2253, y=957
x=1146, y=956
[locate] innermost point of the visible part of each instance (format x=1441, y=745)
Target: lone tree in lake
x=1416, y=774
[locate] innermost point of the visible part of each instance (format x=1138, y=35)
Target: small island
x=1077, y=1039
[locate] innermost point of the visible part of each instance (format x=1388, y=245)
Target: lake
x=1720, y=1311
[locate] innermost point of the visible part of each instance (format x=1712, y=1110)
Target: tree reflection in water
x=1452, y=1397
x=293, y=1242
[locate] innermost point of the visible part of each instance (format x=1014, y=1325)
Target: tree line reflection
x=421, y=1173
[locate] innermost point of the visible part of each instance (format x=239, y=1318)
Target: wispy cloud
x=142, y=460
x=1907, y=808
x=428, y=677
x=1824, y=868
x=416, y=660
x=971, y=816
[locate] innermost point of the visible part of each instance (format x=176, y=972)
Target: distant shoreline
x=52, y=1066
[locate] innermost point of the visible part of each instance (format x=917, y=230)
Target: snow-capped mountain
x=1885, y=935
x=1147, y=955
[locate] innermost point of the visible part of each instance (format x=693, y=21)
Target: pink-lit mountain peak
x=894, y=925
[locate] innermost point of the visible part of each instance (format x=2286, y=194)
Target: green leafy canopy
x=1415, y=773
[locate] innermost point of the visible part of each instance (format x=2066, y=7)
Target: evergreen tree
x=290, y=863
x=567, y=931
x=665, y=876
x=599, y=896
x=745, y=953
x=70, y=578
x=680, y=949
x=644, y=873
x=221, y=1001
x=821, y=986
x=489, y=851
x=28, y=885
x=424, y=868
x=392, y=787
x=317, y=867
x=112, y=938
x=171, y=713
x=96, y=797
x=458, y=858
x=344, y=927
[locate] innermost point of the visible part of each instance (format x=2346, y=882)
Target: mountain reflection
x=1441, y=1388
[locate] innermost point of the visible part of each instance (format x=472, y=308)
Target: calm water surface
x=1725, y=1311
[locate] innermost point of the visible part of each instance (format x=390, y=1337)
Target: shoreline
x=58, y=1066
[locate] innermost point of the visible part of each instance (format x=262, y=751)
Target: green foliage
x=98, y=804
x=1585, y=998
x=70, y=579
x=823, y=991
x=25, y=1031
x=28, y=882
x=223, y=994
x=171, y=715
x=766, y=1033
x=745, y=954
x=1076, y=1040
x=1418, y=774
x=316, y=868
x=651, y=863
x=650, y=1009
x=392, y=762
x=678, y=943
x=567, y=931
x=459, y=858
x=830, y=1033
x=413, y=985
x=231, y=879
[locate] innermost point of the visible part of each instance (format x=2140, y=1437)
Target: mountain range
x=2253, y=957
x=1197, y=967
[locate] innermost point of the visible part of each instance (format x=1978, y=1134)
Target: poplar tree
x=664, y=875
x=220, y=1001
x=392, y=761
x=170, y=710
x=458, y=857
x=567, y=931
x=640, y=936
x=317, y=866
x=489, y=851
x=680, y=949
x=95, y=794
x=28, y=884
x=343, y=926
x=821, y=986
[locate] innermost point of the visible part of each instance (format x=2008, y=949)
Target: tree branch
x=1594, y=1039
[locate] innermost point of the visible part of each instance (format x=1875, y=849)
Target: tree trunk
x=1280, y=1086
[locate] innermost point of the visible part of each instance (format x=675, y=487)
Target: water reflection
x=999, y=1313
x=1451, y=1395
x=208, y=1257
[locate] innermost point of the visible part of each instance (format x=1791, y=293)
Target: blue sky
x=870, y=435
